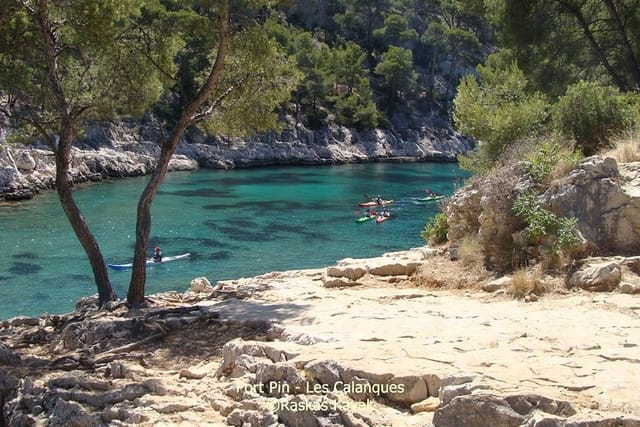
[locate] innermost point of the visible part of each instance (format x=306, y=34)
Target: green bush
x=435, y=231
x=591, y=113
x=497, y=110
x=548, y=156
x=554, y=235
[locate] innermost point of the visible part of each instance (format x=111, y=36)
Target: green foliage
x=260, y=77
x=548, y=156
x=435, y=231
x=543, y=227
x=106, y=62
x=497, y=110
x=396, y=67
x=591, y=113
x=559, y=43
x=395, y=32
x=540, y=222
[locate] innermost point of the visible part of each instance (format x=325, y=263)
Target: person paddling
x=157, y=254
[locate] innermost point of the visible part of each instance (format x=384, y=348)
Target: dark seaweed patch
x=258, y=206
x=39, y=296
x=202, y=192
x=220, y=255
x=240, y=234
x=25, y=255
x=242, y=222
x=24, y=268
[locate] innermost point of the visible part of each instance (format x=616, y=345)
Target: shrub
x=551, y=159
x=556, y=237
x=496, y=110
x=591, y=114
x=435, y=231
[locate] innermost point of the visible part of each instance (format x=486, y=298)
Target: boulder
x=201, y=285
x=597, y=275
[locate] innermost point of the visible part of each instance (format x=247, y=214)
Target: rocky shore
x=127, y=149
x=387, y=341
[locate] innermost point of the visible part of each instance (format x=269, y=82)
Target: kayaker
x=157, y=254
x=429, y=192
x=378, y=200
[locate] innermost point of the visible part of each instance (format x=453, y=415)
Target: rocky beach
x=406, y=339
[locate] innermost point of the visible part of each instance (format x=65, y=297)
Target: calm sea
x=235, y=223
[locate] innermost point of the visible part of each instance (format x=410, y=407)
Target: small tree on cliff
x=63, y=63
x=229, y=81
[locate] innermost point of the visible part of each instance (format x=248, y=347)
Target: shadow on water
x=24, y=268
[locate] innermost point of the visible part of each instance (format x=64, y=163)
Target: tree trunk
x=190, y=115
x=63, y=160
x=75, y=217
x=135, y=295
x=632, y=63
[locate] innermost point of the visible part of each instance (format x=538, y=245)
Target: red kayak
x=382, y=218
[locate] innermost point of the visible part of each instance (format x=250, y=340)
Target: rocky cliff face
x=130, y=149
x=602, y=195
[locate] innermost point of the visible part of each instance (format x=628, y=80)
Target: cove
x=235, y=223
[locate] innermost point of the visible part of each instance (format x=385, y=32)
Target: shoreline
x=278, y=347
x=113, y=151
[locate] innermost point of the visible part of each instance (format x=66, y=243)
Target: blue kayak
x=150, y=262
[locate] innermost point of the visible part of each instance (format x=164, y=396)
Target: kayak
x=430, y=198
x=366, y=218
x=150, y=261
x=373, y=203
x=381, y=218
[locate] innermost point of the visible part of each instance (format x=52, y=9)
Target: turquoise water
x=235, y=223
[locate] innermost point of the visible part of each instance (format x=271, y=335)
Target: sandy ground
x=578, y=346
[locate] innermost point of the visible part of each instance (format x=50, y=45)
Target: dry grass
x=470, y=251
x=626, y=148
x=526, y=282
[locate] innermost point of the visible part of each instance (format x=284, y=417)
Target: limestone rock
x=477, y=411
x=503, y=283
x=201, y=284
x=602, y=196
x=597, y=275
x=430, y=404
x=339, y=282
x=413, y=389
x=352, y=273
x=323, y=371
x=279, y=379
